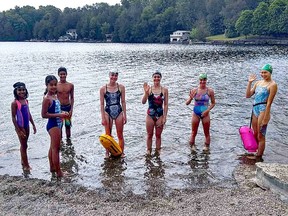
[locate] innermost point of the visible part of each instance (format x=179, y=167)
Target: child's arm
x=71, y=99
x=102, y=90
x=32, y=122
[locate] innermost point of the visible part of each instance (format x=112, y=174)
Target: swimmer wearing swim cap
x=264, y=92
x=204, y=101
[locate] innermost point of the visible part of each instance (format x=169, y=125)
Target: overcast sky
x=10, y=4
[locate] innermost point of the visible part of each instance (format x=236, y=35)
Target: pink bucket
x=248, y=139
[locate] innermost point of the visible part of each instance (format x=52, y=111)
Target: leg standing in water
x=265, y=91
x=157, y=97
x=51, y=110
x=65, y=94
x=21, y=117
x=202, y=94
x=113, y=108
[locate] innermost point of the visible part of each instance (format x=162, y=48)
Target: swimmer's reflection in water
x=68, y=162
x=112, y=173
x=155, y=177
x=200, y=174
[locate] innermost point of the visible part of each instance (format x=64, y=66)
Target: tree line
x=147, y=21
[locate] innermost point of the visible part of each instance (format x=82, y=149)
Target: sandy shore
x=19, y=196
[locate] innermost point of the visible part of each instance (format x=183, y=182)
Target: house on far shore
x=180, y=36
x=109, y=37
x=71, y=35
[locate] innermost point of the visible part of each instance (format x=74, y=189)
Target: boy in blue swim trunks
x=65, y=94
x=265, y=91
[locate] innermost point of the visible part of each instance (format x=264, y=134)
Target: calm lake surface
x=88, y=66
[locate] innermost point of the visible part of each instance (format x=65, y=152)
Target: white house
x=180, y=37
x=72, y=33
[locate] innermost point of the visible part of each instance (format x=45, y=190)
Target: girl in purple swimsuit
x=51, y=110
x=157, y=97
x=21, y=117
x=202, y=94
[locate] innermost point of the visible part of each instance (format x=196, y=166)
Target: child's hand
x=21, y=133
x=104, y=122
x=64, y=114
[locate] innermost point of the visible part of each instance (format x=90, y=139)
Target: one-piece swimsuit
x=113, y=106
x=201, y=103
x=155, y=109
x=55, y=121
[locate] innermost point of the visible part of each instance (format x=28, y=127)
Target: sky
x=61, y=4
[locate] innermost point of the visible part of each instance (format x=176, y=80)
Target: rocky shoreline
x=20, y=196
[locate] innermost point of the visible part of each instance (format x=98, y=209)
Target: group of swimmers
x=58, y=104
x=57, y=107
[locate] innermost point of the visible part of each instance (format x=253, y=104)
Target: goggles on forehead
x=114, y=73
x=20, y=87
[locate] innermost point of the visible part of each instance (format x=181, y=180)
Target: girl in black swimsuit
x=113, y=96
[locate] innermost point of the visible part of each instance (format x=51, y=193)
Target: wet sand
x=20, y=196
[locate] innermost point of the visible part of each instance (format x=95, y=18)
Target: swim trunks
x=113, y=107
x=54, y=122
x=67, y=121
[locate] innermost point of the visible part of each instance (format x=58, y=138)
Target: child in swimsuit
x=51, y=110
x=21, y=117
x=65, y=94
x=113, y=96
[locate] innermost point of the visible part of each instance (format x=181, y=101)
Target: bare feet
x=27, y=168
x=158, y=151
x=193, y=148
x=148, y=152
x=107, y=155
x=206, y=147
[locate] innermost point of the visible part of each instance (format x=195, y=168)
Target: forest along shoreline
x=33, y=196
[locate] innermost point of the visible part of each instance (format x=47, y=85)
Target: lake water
x=88, y=66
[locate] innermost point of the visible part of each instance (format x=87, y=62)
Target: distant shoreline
x=249, y=41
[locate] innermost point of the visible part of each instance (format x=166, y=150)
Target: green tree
x=283, y=22
x=189, y=12
x=200, y=32
x=244, y=23
x=48, y=27
x=215, y=21
x=260, y=21
x=276, y=9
